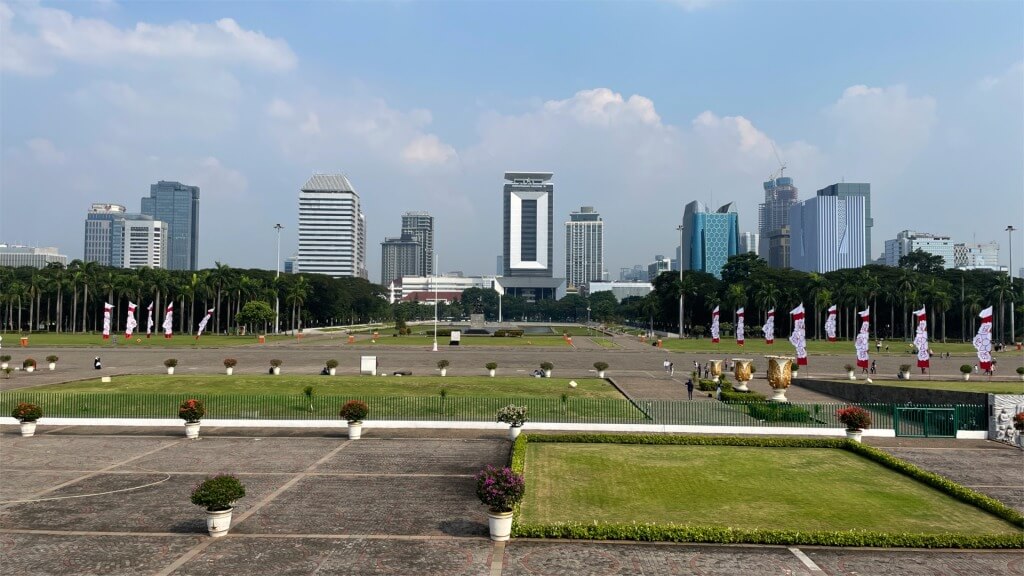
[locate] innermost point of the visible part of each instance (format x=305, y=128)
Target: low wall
x=863, y=393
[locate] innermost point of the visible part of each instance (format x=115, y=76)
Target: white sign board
x=368, y=365
x=454, y=339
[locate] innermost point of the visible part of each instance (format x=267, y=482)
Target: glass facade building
x=178, y=205
x=709, y=238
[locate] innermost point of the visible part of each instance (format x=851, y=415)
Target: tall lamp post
x=435, y=302
x=680, y=263
x=277, y=298
x=1013, y=324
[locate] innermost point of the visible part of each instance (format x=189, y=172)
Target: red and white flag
x=769, y=328
x=202, y=323
x=714, y=325
x=169, y=321
x=739, y=326
x=983, y=340
x=799, y=336
x=149, y=322
x=921, y=338
x=861, y=343
x=130, y=323
x=108, y=309
x=830, y=323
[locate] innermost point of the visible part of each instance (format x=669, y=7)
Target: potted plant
x=27, y=413
x=905, y=371
x=4, y=360
x=856, y=420
x=170, y=363
x=515, y=417
x=308, y=393
x=849, y=372
x=965, y=372
x=192, y=411
x=600, y=367
x=491, y=367
x=332, y=366
x=443, y=365
x=275, y=367
x=500, y=489
x=229, y=366
x=52, y=361
x=354, y=411
x=1020, y=372
x=547, y=367
x=1018, y=421
x=218, y=495
x=29, y=365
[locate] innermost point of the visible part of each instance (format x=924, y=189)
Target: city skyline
x=919, y=108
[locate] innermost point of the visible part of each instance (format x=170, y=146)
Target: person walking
x=689, y=388
x=665, y=365
x=671, y=368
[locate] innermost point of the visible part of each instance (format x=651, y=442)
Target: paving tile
x=21, y=484
x=58, y=555
x=917, y=562
x=46, y=452
x=248, y=454
x=427, y=456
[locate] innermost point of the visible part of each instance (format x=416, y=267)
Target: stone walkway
x=395, y=502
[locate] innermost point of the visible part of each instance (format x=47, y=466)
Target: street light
x=277, y=298
x=435, y=301
x=1013, y=324
x=588, y=319
x=680, y=263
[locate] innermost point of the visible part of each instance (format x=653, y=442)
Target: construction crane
x=782, y=165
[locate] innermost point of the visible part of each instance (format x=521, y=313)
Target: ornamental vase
x=854, y=435
x=743, y=372
x=355, y=430
x=716, y=369
x=218, y=522
x=780, y=371
x=28, y=428
x=192, y=430
x=513, y=432
x=500, y=525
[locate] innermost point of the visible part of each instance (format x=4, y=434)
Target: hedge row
x=711, y=534
x=778, y=412
x=731, y=395
x=507, y=333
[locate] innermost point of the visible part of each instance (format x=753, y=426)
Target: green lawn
x=979, y=385
x=605, y=342
x=50, y=340
x=738, y=487
x=782, y=347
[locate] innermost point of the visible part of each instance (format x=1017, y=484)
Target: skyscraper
x=420, y=225
x=773, y=218
x=908, y=241
x=332, y=228
x=827, y=233
x=529, y=205
x=847, y=190
x=138, y=241
x=98, y=222
x=584, y=247
x=178, y=206
x=709, y=238
x=400, y=257
x=749, y=242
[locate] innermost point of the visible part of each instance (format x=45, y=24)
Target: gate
x=918, y=422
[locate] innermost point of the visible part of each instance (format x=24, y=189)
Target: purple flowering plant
x=500, y=488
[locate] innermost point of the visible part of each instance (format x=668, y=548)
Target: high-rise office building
x=749, y=242
x=98, y=222
x=16, y=256
x=709, y=238
x=527, y=255
x=847, y=190
x=138, y=241
x=420, y=225
x=827, y=233
x=773, y=219
x=908, y=241
x=332, y=228
x=584, y=247
x=660, y=264
x=400, y=257
x=976, y=256
x=178, y=206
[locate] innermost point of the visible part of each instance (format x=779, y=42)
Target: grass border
x=652, y=532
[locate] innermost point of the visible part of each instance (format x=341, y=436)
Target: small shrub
x=276, y=363
x=171, y=362
x=1020, y=370
x=354, y=410
x=778, y=412
x=848, y=367
x=28, y=362
x=218, y=493
x=52, y=359
x=192, y=410
x=442, y=364
x=512, y=415
x=5, y=358
x=500, y=488
x=1018, y=421
x=854, y=417
x=332, y=363
x=743, y=397
x=443, y=393
x=27, y=412
x=308, y=393
x=904, y=367
x=491, y=365
x=965, y=369
x=600, y=366
x=547, y=366
x=230, y=362
x=507, y=333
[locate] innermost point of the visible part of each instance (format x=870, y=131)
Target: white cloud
x=311, y=125
x=44, y=151
x=217, y=182
x=427, y=149
x=278, y=108
x=1012, y=76
x=34, y=38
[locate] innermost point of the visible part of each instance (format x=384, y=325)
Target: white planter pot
x=742, y=387
x=28, y=429
x=513, y=432
x=854, y=435
x=1022, y=377
x=219, y=522
x=277, y=370
x=444, y=372
x=906, y=375
x=30, y=369
x=355, y=430
x=795, y=374
x=170, y=371
x=600, y=373
x=3, y=365
x=851, y=376
x=500, y=525
x=491, y=373
x=547, y=373
x=229, y=370
x=966, y=377
x=192, y=430
x=779, y=395
x=332, y=371
x=53, y=366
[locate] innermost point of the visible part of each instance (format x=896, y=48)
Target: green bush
x=711, y=385
x=171, y=362
x=51, y=358
x=744, y=397
x=547, y=366
x=441, y=364
x=965, y=369
x=491, y=365
x=27, y=412
x=600, y=366
x=218, y=493
x=507, y=333
x=354, y=410
x=778, y=412
x=331, y=363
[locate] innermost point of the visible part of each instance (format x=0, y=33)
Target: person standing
x=671, y=368
x=718, y=392
x=689, y=388
x=665, y=365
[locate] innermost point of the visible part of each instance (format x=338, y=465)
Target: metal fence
x=456, y=408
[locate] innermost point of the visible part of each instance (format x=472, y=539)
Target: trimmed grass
x=53, y=340
x=605, y=342
x=738, y=487
x=994, y=387
x=782, y=347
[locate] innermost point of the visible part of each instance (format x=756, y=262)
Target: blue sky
x=637, y=108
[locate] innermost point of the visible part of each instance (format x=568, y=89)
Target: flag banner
x=107, y=310
x=983, y=340
x=921, y=338
x=799, y=336
x=149, y=322
x=861, y=343
x=769, y=328
x=739, y=327
x=830, y=324
x=714, y=325
x=130, y=323
x=169, y=321
x=202, y=323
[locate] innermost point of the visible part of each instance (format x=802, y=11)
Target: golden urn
x=716, y=369
x=780, y=374
x=744, y=373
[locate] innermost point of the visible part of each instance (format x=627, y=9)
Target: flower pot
x=170, y=370
x=355, y=430
x=229, y=370
x=332, y=371
x=513, y=432
x=491, y=373
x=547, y=373
x=500, y=525
x=906, y=375
x=28, y=428
x=854, y=435
x=795, y=374
x=600, y=373
x=219, y=522
x=277, y=370
x=53, y=365
x=966, y=376
x=30, y=369
x=851, y=376
x=1022, y=377
x=778, y=395
x=3, y=365
x=192, y=430
x=444, y=372
x=741, y=387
